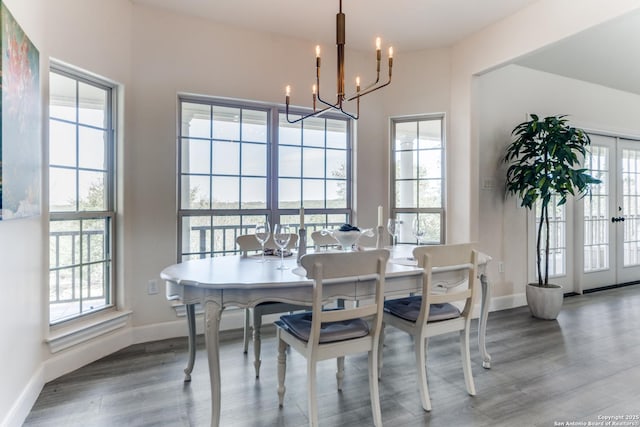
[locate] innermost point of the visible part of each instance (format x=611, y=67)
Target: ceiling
x=607, y=55
x=406, y=24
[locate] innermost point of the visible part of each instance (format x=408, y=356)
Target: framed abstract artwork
x=20, y=122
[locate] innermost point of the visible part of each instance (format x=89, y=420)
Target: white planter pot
x=544, y=303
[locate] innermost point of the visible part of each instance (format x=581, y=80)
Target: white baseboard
x=22, y=406
x=508, y=301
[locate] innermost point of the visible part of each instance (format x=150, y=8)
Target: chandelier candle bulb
x=358, y=84
x=380, y=216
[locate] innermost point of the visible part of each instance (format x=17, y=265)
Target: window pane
x=62, y=97
x=313, y=193
x=94, y=244
x=430, y=163
x=62, y=193
x=64, y=243
x=91, y=147
x=196, y=234
x=336, y=164
x=313, y=163
x=406, y=135
x=254, y=159
x=313, y=132
x=196, y=120
x=226, y=193
x=226, y=158
x=196, y=156
x=406, y=165
x=226, y=123
x=289, y=134
x=93, y=104
x=336, y=134
x=289, y=193
x=406, y=194
x=254, y=193
x=195, y=192
x=430, y=194
x=91, y=186
x=430, y=134
x=337, y=194
x=254, y=125
x=289, y=161
x=62, y=143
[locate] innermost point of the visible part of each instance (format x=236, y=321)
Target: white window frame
x=405, y=235
x=78, y=214
x=272, y=211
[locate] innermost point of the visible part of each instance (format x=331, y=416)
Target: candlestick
x=301, y=217
x=379, y=237
x=380, y=224
x=302, y=243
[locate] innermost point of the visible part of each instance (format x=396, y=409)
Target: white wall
x=504, y=98
x=93, y=35
x=21, y=260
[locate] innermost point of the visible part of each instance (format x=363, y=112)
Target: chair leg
x=257, y=326
x=282, y=369
x=340, y=372
x=247, y=315
x=311, y=392
x=380, y=346
x=466, y=361
x=421, y=364
x=373, y=388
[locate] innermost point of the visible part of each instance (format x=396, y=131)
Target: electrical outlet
x=152, y=287
x=501, y=267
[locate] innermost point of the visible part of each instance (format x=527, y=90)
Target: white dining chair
x=323, y=240
x=431, y=314
x=253, y=316
x=327, y=334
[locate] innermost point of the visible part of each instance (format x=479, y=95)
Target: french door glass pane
x=631, y=206
x=596, y=212
x=557, y=237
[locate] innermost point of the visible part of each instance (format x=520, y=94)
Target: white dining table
x=236, y=281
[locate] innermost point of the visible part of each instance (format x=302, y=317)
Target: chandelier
x=341, y=97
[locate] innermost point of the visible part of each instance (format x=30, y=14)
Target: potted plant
x=544, y=160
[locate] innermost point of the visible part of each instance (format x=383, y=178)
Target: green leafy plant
x=544, y=161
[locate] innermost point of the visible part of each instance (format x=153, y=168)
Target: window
x=81, y=194
x=241, y=163
x=417, y=177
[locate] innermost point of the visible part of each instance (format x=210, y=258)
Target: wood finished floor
x=582, y=366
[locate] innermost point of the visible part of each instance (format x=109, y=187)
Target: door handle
x=617, y=219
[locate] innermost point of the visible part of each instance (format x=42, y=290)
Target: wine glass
x=263, y=231
x=281, y=237
x=393, y=227
x=419, y=229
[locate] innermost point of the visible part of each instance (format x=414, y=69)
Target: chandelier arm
x=366, y=92
x=313, y=114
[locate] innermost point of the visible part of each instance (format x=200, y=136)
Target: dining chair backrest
x=321, y=239
x=248, y=243
x=460, y=262
x=346, y=267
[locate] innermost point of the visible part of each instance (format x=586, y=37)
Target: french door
x=608, y=221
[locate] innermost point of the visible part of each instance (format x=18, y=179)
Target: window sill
x=75, y=334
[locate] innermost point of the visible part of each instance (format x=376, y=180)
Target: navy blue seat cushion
x=409, y=309
x=299, y=325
